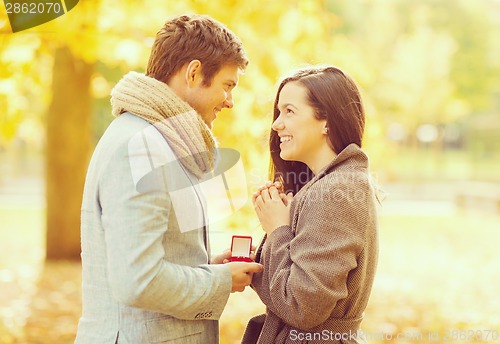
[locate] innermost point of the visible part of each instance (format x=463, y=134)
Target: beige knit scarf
x=182, y=127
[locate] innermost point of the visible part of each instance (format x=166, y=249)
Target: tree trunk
x=67, y=153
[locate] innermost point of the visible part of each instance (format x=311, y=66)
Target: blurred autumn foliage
x=429, y=75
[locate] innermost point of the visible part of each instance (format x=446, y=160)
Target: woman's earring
x=325, y=131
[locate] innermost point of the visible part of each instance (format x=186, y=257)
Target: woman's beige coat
x=318, y=272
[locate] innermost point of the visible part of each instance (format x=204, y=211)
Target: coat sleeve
x=305, y=274
x=135, y=222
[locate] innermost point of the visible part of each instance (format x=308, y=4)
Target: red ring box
x=241, y=245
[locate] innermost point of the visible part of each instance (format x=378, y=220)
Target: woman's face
x=302, y=136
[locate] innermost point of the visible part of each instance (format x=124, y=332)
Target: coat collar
x=352, y=154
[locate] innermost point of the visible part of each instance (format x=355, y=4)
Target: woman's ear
x=325, y=130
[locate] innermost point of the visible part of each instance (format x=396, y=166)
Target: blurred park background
x=430, y=75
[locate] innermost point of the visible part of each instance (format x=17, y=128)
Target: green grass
x=22, y=236
x=21, y=260
x=435, y=274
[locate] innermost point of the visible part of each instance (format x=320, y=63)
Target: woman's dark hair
x=336, y=99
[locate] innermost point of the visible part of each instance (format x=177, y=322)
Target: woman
x=321, y=245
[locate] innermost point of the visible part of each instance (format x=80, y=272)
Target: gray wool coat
x=146, y=276
x=318, y=272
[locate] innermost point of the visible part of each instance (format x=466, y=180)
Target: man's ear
x=193, y=72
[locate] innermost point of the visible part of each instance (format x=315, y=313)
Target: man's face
x=208, y=101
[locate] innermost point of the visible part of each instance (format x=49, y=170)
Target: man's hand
x=242, y=273
x=221, y=258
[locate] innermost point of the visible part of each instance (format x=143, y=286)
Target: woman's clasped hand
x=272, y=206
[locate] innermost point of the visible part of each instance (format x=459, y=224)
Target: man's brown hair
x=194, y=37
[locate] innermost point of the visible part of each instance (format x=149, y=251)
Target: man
x=145, y=255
